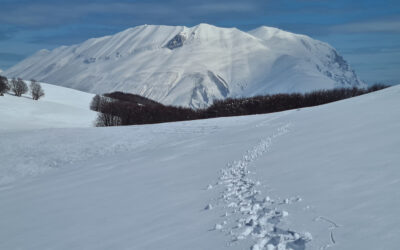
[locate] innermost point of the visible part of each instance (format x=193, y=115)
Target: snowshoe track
x=252, y=216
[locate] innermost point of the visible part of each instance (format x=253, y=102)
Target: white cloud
x=370, y=26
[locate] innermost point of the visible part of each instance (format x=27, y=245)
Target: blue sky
x=365, y=32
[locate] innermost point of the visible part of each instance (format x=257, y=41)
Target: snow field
x=325, y=177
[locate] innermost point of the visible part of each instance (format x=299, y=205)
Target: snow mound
x=59, y=108
x=192, y=66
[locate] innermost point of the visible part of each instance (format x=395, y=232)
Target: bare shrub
x=18, y=87
x=107, y=120
x=36, y=90
x=95, y=103
x=4, y=87
x=127, y=109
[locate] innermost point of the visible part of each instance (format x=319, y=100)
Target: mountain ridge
x=192, y=66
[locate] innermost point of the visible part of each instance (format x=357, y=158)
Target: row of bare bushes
x=117, y=108
x=18, y=87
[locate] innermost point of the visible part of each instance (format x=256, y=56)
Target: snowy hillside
x=326, y=177
x=59, y=108
x=192, y=66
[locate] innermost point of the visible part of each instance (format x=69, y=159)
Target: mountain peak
x=204, y=25
x=43, y=51
x=192, y=66
x=267, y=32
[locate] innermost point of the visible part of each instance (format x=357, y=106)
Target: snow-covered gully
x=248, y=213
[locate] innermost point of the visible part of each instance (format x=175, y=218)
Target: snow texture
x=259, y=218
x=325, y=177
x=192, y=66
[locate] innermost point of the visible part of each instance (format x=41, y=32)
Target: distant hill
x=59, y=108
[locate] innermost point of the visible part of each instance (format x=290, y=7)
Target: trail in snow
x=253, y=215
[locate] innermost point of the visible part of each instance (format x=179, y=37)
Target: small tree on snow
x=95, y=104
x=18, y=86
x=4, y=87
x=36, y=90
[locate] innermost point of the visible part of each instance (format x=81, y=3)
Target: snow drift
x=192, y=66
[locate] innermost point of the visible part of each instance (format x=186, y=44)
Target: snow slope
x=59, y=108
x=192, y=66
x=315, y=178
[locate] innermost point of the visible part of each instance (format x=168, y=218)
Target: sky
x=365, y=32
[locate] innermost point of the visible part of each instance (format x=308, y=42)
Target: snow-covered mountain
x=192, y=66
x=326, y=177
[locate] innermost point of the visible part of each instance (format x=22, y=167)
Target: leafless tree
x=4, y=87
x=18, y=86
x=95, y=104
x=36, y=90
x=106, y=120
x=119, y=109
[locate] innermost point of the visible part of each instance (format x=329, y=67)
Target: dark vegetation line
x=19, y=87
x=118, y=108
